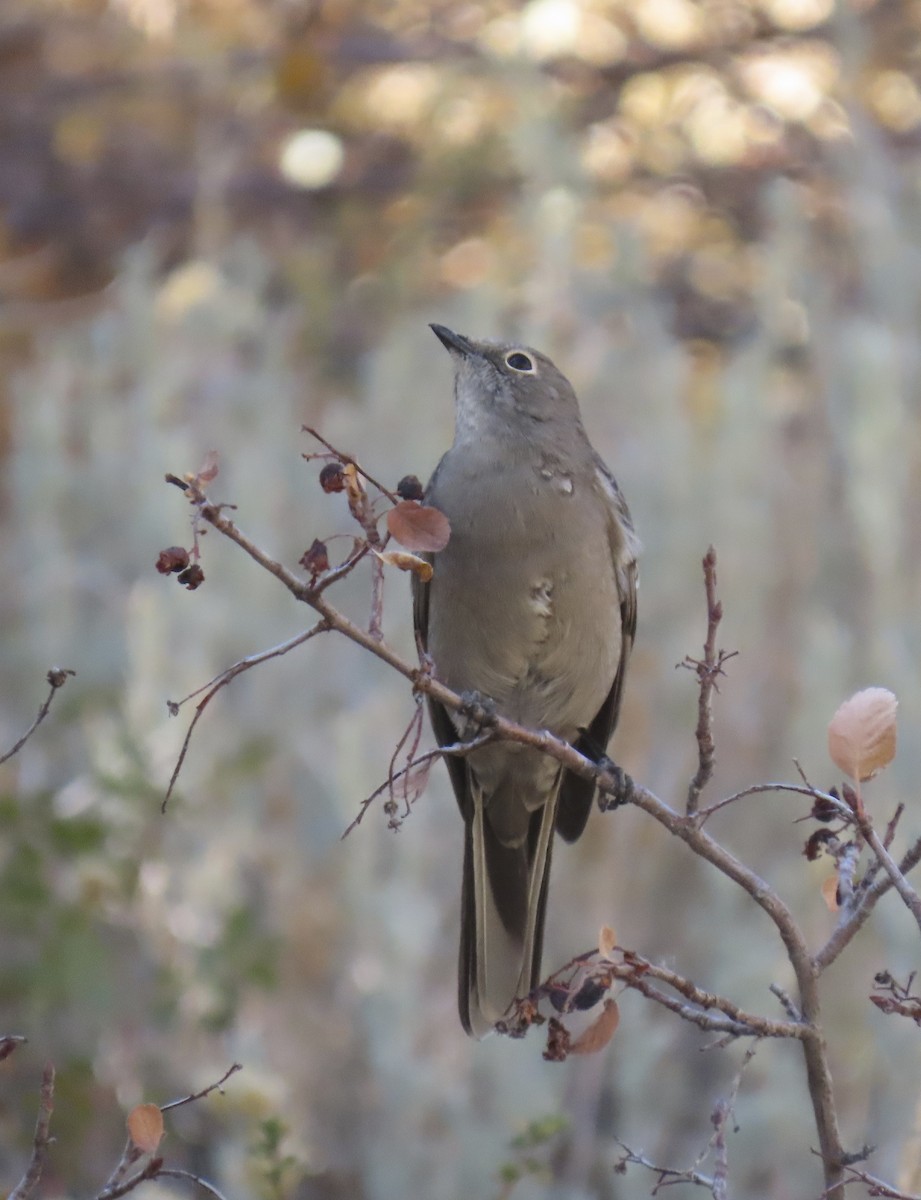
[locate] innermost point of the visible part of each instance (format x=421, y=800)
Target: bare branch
x=221, y=681
x=721, y=1116
x=347, y=458
x=708, y=669
x=123, y=1186
x=758, y=788
x=667, y=1175
x=735, y=1020
x=786, y=1002
x=175, y=1173
x=849, y=923
x=908, y=894
x=132, y=1154
x=456, y=750
x=212, y=1087
x=875, y=1186
x=41, y=1141
x=56, y=677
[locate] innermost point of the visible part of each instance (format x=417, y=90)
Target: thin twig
x=56, y=677
x=667, y=1175
x=347, y=458
x=849, y=923
x=637, y=970
x=717, y=1183
x=221, y=681
x=41, y=1141
x=786, y=1002
x=132, y=1154
x=455, y=750
x=757, y=789
x=175, y=1173
x=122, y=1187
x=875, y=1186
x=909, y=896
x=206, y=1091
x=708, y=669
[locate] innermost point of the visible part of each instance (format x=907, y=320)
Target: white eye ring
x=519, y=362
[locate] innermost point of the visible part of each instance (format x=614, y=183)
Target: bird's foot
x=620, y=789
x=479, y=713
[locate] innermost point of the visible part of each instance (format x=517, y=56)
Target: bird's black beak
x=455, y=343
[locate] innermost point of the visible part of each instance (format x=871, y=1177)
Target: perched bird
x=532, y=605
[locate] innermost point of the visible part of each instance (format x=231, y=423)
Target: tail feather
x=503, y=906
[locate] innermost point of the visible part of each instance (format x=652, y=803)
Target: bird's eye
x=519, y=362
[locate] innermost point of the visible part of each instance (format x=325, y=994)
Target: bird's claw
x=621, y=788
x=479, y=713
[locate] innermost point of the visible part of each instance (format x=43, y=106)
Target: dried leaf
x=861, y=734
x=208, y=470
x=145, y=1127
x=355, y=490
x=407, y=562
x=173, y=558
x=316, y=559
x=607, y=942
x=418, y=528
x=600, y=1032
x=830, y=892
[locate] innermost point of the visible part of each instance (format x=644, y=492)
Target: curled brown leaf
x=407, y=562
x=600, y=1032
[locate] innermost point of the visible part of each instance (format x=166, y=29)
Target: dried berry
x=588, y=994
x=192, y=577
x=815, y=843
x=174, y=558
x=825, y=810
x=409, y=488
x=332, y=477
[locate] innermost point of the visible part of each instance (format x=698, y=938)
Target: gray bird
x=533, y=605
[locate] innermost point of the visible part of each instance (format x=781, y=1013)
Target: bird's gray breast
x=523, y=604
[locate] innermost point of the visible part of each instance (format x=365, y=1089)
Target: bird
x=530, y=608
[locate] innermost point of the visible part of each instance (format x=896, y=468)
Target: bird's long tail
x=503, y=904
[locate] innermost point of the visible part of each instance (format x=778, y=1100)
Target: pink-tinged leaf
x=600, y=1032
x=145, y=1127
x=209, y=468
x=862, y=733
x=415, y=781
x=417, y=527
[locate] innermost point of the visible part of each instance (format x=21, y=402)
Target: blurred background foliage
x=222, y=218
